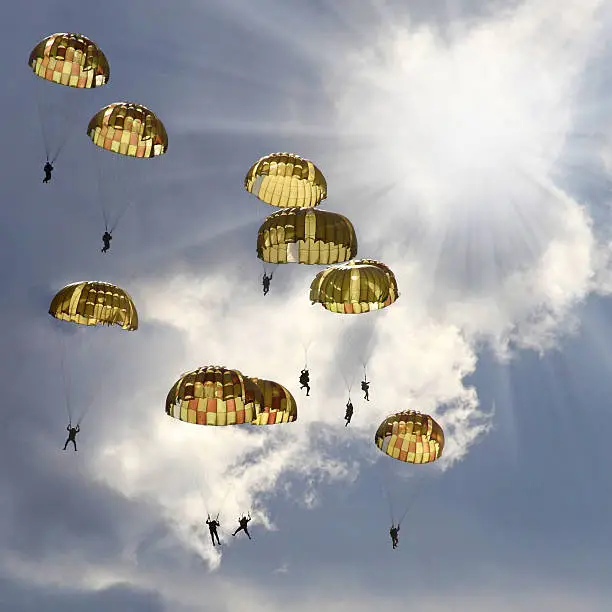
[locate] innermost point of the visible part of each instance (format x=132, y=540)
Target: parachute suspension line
x=385, y=493
x=410, y=504
x=65, y=381
x=199, y=487
x=305, y=346
x=223, y=500
x=42, y=125
x=68, y=110
x=62, y=144
x=119, y=217
x=348, y=382
x=269, y=269
x=68, y=130
x=100, y=181
x=95, y=389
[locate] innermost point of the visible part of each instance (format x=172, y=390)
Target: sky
x=469, y=144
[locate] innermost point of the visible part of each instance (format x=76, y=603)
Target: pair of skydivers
x=243, y=522
x=348, y=415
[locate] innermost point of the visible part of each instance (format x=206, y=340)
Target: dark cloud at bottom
x=15, y=597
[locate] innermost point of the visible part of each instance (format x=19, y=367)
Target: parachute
x=129, y=129
x=286, y=180
x=354, y=287
x=70, y=59
x=214, y=395
x=95, y=303
x=277, y=404
x=306, y=236
x=74, y=62
x=411, y=437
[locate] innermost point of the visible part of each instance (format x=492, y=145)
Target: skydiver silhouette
x=72, y=432
x=349, y=412
x=106, y=238
x=365, y=387
x=212, y=527
x=393, y=532
x=304, y=380
x=47, y=169
x=266, y=282
x=243, y=521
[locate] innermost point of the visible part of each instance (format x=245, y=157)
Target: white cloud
x=461, y=138
x=458, y=143
x=169, y=461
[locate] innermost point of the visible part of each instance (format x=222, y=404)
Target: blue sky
x=469, y=144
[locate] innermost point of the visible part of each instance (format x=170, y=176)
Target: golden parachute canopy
x=129, y=129
x=354, y=287
x=411, y=437
x=95, y=303
x=286, y=180
x=306, y=236
x=214, y=395
x=70, y=59
x=278, y=404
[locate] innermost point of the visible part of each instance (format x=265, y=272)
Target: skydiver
x=106, y=238
x=393, y=533
x=244, y=521
x=349, y=412
x=365, y=387
x=304, y=380
x=212, y=527
x=72, y=432
x=266, y=282
x=47, y=169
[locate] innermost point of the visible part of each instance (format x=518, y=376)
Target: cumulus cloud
x=220, y=323
x=444, y=152
x=447, y=151
x=466, y=136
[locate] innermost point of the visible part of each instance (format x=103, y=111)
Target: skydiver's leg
x=65, y=445
x=246, y=530
x=218, y=541
x=74, y=442
x=307, y=389
x=237, y=530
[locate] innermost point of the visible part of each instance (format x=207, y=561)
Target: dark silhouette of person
x=47, y=169
x=243, y=522
x=72, y=432
x=365, y=387
x=305, y=380
x=106, y=238
x=212, y=527
x=349, y=412
x=393, y=532
x=266, y=283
